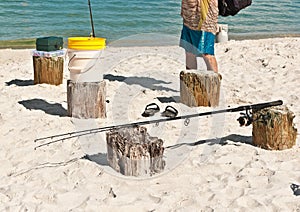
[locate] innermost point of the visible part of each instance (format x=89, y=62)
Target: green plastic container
x=49, y=44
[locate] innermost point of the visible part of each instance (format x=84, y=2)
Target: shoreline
x=29, y=43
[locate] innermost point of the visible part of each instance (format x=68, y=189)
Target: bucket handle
x=71, y=60
x=82, y=71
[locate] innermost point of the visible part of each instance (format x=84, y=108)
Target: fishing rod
x=247, y=108
x=91, y=17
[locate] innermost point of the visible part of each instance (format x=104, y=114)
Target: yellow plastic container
x=84, y=54
x=86, y=43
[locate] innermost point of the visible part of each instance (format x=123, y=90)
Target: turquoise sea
x=116, y=19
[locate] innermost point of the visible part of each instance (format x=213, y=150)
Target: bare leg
x=190, y=61
x=211, y=62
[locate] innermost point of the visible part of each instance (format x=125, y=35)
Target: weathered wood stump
x=273, y=128
x=48, y=70
x=86, y=99
x=200, y=88
x=132, y=152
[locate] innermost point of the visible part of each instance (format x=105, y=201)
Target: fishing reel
x=245, y=119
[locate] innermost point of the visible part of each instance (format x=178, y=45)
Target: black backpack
x=232, y=7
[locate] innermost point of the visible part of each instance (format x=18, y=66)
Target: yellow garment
x=200, y=14
x=204, y=11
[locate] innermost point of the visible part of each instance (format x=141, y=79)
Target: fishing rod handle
x=258, y=106
x=267, y=104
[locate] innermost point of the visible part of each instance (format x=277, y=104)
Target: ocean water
x=116, y=19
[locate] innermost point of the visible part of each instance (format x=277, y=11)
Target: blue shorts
x=197, y=42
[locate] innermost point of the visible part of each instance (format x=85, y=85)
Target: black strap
x=170, y=112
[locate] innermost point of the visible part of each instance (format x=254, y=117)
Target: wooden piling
x=48, y=70
x=86, y=99
x=132, y=152
x=273, y=128
x=200, y=88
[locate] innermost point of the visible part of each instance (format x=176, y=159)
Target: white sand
x=227, y=174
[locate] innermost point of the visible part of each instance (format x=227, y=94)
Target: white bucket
x=222, y=35
x=83, y=65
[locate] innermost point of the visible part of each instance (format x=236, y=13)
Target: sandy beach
x=222, y=171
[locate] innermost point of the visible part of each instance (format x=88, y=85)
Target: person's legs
x=208, y=49
x=187, y=41
x=190, y=61
x=211, y=62
x=198, y=43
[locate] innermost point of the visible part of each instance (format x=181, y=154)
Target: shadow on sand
x=146, y=82
x=20, y=82
x=40, y=104
x=237, y=139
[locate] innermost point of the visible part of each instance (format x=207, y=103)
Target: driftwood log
x=273, y=128
x=132, y=152
x=200, y=88
x=86, y=99
x=48, y=70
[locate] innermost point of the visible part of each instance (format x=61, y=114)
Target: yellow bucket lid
x=86, y=43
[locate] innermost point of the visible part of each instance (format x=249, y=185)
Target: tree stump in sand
x=273, y=128
x=86, y=99
x=48, y=70
x=132, y=152
x=200, y=88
